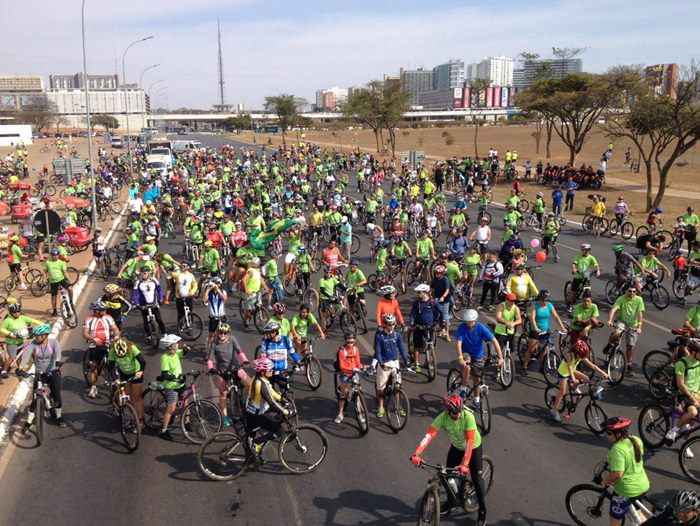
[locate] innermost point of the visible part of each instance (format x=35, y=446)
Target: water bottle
x=453, y=484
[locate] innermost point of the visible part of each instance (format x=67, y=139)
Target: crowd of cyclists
x=281, y=230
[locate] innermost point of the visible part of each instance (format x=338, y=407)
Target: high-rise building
x=557, y=68
x=498, y=70
x=448, y=75
x=414, y=82
x=21, y=83
x=95, y=82
x=329, y=99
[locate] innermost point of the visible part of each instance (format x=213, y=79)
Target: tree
x=478, y=85
x=542, y=122
x=240, y=122
x=38, y=111
x=572, y=105
x=565, y=53
x=662, y=128
x=394, y=103
x=285, y=108
x=59, y=121
x=108, y=122
x=364, y=106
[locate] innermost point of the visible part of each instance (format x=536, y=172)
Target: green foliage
x=108, y=122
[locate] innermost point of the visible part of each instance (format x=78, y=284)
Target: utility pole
x=221, y=67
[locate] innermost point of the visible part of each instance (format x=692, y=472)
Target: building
x=329, y=99
x=440, y=99
x=498, y=70
x=70, y=104
x=95, y=82
x=448, y=75
x=532, y=70
x=414, y=82
x=663, y=79
x=19, y=91
x=392, y=82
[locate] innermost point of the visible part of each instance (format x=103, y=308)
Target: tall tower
x=221, y=68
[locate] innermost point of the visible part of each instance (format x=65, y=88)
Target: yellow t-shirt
x=598, y=209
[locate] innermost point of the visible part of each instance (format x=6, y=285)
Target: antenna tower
x=221, y=68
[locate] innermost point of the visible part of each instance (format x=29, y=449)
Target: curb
x=23, y=390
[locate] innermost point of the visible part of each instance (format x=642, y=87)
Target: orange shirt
x=385, y=306
x=349, y=359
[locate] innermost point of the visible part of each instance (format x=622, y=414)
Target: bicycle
x=428, y=350
x=190, y=326
x=658, y=359
x=655, y=421
x=417, y=270
x=594, y=415
x=41, y=400
x=258, y=313
x=152, y=324
x=357, y=401
x=482, y=408
x=30, y=275
x=586, y=502
x=621, y=226
x=443, y=487
x=397, y=405
x=336, y=308
x=67, y=309
x=128, y=418
x=39, y=284
x=311, y=366
x=571, y=296
x=199, y=418
x=546, y=353
x=358, y=311
x=225, y=456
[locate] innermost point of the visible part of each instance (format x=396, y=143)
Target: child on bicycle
x=172, y=379
x=347, y=363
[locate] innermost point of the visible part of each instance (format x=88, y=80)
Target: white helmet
x=344, y=219
x=470, y=315
x=422, y=288
x=255, y=262
x=169, y=339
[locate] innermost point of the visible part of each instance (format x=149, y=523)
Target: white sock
x=30, y=418
x=59, y=412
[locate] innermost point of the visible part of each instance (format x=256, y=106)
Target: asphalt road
x=83, y=475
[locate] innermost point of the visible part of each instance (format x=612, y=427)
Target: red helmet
x=452, y=404
x=581, y=349
x=617, y=423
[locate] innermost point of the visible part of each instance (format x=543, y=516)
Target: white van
x=116, y=142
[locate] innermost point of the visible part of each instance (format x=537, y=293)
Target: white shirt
x=216, y=304
x=482, y=233
x=135, y=205
x=148, y=289
x=184, y=283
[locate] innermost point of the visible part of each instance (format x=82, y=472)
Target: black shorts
x=97, y=354
x=15, y=268
x=57, y=285
x=128, y=377
x=214, y=322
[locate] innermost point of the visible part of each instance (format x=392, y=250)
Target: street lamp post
x=141, y=85
x=87, y=120
x=126, y=99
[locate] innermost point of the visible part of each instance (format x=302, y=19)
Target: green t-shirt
x=18, y=325
x=327, y=287
x=693, y=317
x=301, y=325
x=211, y=260
x=270, y=270
x=149, y=249
x=382, y=255
x=304, y=262
x=634, y=481
x=453, y=272
x=581, y=313
x=424, y=248
x=16, y=253
x=400, y=250
x=508, y=314
x=456, y=428
x=629, y=308
x=170, y=363
x=56, y=270
x=584, y=263
x=472, y=263
x=691, y=219
x=551, y=228
x=689, y=368
x=284, y=324
x=168, y=263
x=539, y=206
x=352, y=278
x=128, y=364
x=649, y=263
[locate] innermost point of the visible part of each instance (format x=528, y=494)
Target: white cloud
x=287, y=54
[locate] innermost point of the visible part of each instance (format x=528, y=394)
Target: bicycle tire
x=194, y=331
x=506, y=373
x=207, y=420
x=454, y=380
x=222, y=457
x=690, y=468
x=411, y=272
x=653, y=361
x=653, y=424
x=617, y=365
x=471, y=503
x=72, y=275
x=10, y=283
x=295, y=438
x=612, y=291
x=595, y=418
x=69, y=315
x=521, y=348
x=627, y=230
x=431, y=362
x=356, y=244
x=660, y=297
x=86, y=367
x=259, y=319
x=129, y=426
x=662, y=384
x=347, y=323
x=679, y=286
x=484, y=414
x=38, y=288
x=668, y=239
x=314, y=372
x=39, y=419
x=154, y=404
x=550, y=394
x=310, y=297
x=361, y=414
x=33, y=274
x=429, y=507
x=593, y=506
x=393, y=412
x=642, y=230
x=567, y=292
x=613, y=227
x=550, y=367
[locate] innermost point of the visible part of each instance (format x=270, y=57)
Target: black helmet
x=686, y=500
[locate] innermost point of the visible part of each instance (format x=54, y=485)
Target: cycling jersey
x=522, y=286
x=101, y=329
x=56, y=270
x=129, y=364
x=621, y=458
x=278, y=351
x=585, y=264
x=689, y=368
x=456, y=428
x=216, y=301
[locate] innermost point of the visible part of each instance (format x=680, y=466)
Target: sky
x=273, y=47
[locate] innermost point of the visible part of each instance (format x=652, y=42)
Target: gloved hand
x=464, y=470
x=416, y=460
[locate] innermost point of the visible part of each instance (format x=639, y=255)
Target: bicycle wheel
x=550, y=367
x=72, y=275
x=662, y=383
x=505, y=372
x=153, y=408
x=550, y=395
x=431, y=362
x=627, y=230
x=567, y=293
x=612, y=291
x=311, y=298
x=260, y=318
x=313, y=372
x=653, y=424
x=617, y=364
x=129, y=426
x=359, y=313
x=483, y=413
x=290, y=287
x=595, y=418
x=194, y=331
x=347, y=323
x=429, y=507
x=687, y=459
x=32, y=275
x=303, y=449
x=39, y=419
x=679, y=286
x=471, y=504
x=454, y=380
x=585, y=504
x=360, y=407
x=356, y=244
x=10, y=283
x=39, y=287
x=397, y=409
x=521, y=348
x=641, y=231
x=68, y=314
x=613, y=227
x=200, y=420
x=660, y=297
x=412, y=272
x=222, y=457
x=653, y=361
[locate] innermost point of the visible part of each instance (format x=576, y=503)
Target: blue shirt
x=557, y=196
x=542, y=316
x=459, y=245
x=388, y=347
x=473, y=340
x=278, y=351
x=425, y=313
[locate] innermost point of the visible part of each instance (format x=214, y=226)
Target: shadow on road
x=385, y=509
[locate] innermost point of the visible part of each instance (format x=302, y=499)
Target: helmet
x=271, y=326
x=302, y=249
x=344, y=219
x=111, y=288
x=224, y=328
x=581, y=349
x=658, y=210
x=470, y=315
x=422, y=288
x=511, y=297
x=389, y=319
x=145, y=257
x=686, y=500
x=452, y=404
x=618, y=248
x=279, y=308
x=208, y=243
x=440, y=269
x=14, y=308
x=169, y=339
x=42, y=329
x=585, y=246
x=387, y=290
x=98, y=305
x=14, y=238
x=263, y=365
x=54, y=252
x=543, y=295
x=617, y=423
x=255, y=262
x=539, y=194
x=120, y=347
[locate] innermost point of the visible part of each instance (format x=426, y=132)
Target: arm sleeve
x=377, y=345
x=430, y=434
x=469, y=439
x=142, y=362
x=402, y=350
x=269, y=398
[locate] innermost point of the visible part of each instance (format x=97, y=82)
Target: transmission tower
x=221, y=68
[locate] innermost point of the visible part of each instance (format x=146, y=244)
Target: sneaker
x=417, y=368
x=165, y=435
x=555, y=416
x=3, y=374
x=61, y=423
x=338, y=419
x=92, y=393
x=672, y=434
x=381, y=413
x=688, y=454
x=227, y=422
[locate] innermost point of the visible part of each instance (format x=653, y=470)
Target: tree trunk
x=663, y=183
x=548, y=147
x=284, y=140
x=647, y=166
x=476, y=140
x=376, y=138
x=572, y=155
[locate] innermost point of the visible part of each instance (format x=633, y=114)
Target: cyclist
x=147, y=294
x=355, y=281
x=279, y=349
x=551, y=231
x=582, y=268
x=171, y=378
x=300, y=328
x=225, y=356
x=684, y=511
x=621, y=210
x=271, y=274
x=388, y=304
x=185, y=290
x=214, y=296
x=491, y=277
x=687, y=373
x=508, y=318
x=584, y=315
x=253, y=285
x=348, y=363
x=116, y=304
x=99, y=330
x=568, y=373
x=56, y=271
x=14, y=260
x=328, y=287
x=470, y=338
x=540, y=315
x=465, y=451
x=627, y=317
x=425, y=316
x=304, y=264
x=210, y=259
x=442, y=292
x=125, y=360
x=45, y=354
x=278, y=310
x=625, y=266
x=522, y=285
x=388, y=346
x=626, y=468
x=652, y=266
